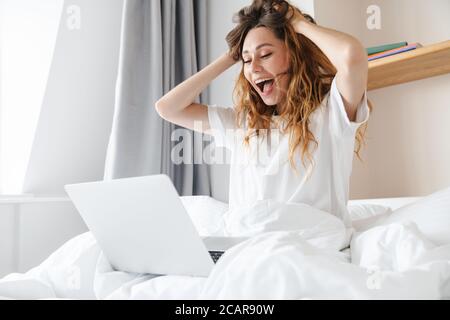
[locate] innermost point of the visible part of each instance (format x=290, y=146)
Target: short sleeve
x=340, y=124
x=222, y=124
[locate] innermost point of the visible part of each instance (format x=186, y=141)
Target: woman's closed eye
x=262, y=57
x=266, y=56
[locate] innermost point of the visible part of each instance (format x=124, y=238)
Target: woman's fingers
x=295, y=15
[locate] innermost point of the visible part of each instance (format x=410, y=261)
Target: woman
x=300, y=99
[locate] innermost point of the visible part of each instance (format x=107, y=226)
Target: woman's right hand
x=235, y=58
x=179, y=105
x=229, y=57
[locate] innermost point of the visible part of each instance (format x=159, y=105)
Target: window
x=28, y=34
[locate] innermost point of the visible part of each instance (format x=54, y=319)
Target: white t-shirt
x=270, y=177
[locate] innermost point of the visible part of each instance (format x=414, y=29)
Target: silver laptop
x=142, y=226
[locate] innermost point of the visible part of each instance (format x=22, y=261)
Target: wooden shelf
x=421, y=63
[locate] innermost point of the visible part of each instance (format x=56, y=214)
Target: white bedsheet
x=389, y=262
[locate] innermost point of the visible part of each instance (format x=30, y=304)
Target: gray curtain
x=163, y=42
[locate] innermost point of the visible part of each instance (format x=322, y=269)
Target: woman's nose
x=255, y=66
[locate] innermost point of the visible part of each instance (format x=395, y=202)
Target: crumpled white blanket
x=386, y=262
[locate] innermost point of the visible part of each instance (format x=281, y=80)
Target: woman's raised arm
x=346, y=53
x=178, y=105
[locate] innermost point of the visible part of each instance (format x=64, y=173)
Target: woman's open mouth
x=266, y=87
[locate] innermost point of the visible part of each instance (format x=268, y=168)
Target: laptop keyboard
x=215, y=255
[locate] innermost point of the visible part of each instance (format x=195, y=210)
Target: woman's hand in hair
x=296, y=17
x=233, y=55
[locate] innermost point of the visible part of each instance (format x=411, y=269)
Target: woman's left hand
x=296, y=17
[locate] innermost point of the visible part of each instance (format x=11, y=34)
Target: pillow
x=431, y=214
x=365, y=215
x=203, y=203
x=366, y=210
x=206, y=213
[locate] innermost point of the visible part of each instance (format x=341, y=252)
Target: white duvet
x=394, y=261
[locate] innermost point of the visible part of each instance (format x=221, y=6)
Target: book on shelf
x=385, y=47
x=387, y=53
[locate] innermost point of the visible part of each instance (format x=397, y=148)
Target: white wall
x=77, y=111
x=8, y=249
x=408, y=150
x=32, y=228
x=27, y=38
x=71, y=136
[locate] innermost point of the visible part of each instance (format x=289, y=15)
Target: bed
x=400, y=250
